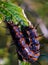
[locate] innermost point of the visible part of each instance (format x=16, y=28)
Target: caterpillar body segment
x=32, y=35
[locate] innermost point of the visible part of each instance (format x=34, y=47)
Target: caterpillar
x=26, y=51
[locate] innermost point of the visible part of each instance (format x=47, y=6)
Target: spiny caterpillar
x=28, y=47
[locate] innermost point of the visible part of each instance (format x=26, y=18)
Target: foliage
x=9, y=9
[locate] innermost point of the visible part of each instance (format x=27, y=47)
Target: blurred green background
x=10, y=58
